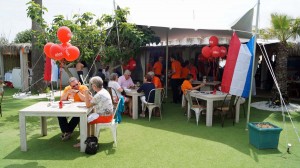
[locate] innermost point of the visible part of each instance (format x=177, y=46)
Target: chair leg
x=1, y=111
x=150, y=112
x=113, y=129
x=197, y=112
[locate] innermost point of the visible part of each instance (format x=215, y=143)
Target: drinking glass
x=71, y=98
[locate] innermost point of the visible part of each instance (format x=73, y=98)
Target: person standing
x=79, y=69
x=193, y=70
x=175, y=79
x=73, y=91
x=158, y=67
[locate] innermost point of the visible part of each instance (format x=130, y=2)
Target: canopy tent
x=182, y=23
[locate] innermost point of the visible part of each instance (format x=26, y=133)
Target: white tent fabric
x=188, y=23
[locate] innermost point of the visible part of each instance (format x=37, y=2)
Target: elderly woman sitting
x=113, y=83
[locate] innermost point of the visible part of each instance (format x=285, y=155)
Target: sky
x=214, y=14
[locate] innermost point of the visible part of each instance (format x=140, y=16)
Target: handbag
x=91, y=145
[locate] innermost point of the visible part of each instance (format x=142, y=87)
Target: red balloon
x=64, y=34
x=72, y=53
x=131, y=64
x=213, y=41
x=206, y=52
x=47, y=49
x=57, y=52
x=98, y=58
x=66, y=45
x=223, y=51
x=215, y=51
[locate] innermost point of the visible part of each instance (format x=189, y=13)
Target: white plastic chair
x=112, y=125
x=195, y=107
x=157, y=101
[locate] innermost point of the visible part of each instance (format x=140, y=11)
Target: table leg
x=134, y=107
x=83, y=132
x=23, y=138
x=43, y=126
x=209, y=113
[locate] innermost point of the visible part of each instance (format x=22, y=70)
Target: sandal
x=142, y=115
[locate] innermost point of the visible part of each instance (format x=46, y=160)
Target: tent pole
x=253, y=61
x=167, y=58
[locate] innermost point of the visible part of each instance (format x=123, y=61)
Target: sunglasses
x=74, y=85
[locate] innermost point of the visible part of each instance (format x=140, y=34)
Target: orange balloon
x=72, y=53
x=64, y=34
x=47, y=49
x=56, y=52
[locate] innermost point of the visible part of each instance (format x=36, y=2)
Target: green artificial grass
x=170, y=142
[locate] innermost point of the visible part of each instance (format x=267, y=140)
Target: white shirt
x=115, y=85
x=103, y=103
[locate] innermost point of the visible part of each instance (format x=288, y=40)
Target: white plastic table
x=210, y=98
x=134, y=94
x=41, y=109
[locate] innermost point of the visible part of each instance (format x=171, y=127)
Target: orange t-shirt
x=193, y=71
x=184, y=72
x=82, y=88
x=156, y=82
x=157, y=68
x=176, y=66
x=186, y=85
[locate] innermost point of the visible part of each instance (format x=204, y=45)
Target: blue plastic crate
x=264, y=138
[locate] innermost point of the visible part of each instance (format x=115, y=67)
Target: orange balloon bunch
x=64, y=50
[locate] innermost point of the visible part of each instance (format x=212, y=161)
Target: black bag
x=91, y=145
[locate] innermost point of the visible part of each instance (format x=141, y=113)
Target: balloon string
x=60, y=79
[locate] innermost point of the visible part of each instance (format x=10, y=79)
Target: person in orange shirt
x=73, y=91
x=155, y=80
x=158, y=67
x=175, y=79
x=187, y=84
x=193, y=70
x=185, y=70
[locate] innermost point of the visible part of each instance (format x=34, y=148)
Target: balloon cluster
x=213, y=50
x=131, y=65
x=64, y=50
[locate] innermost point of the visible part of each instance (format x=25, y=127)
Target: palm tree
x=283, y=27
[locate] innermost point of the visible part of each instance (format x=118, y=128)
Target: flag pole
x=253, y=63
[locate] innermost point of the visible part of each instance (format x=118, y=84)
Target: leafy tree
x=23, y=37
x=3, y=39
x=35, y=11
x=97, y=36
x=283, y=27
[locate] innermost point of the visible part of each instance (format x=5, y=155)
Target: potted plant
x=264, y=135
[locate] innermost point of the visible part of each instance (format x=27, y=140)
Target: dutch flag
x=237, y=73
x=51, y=70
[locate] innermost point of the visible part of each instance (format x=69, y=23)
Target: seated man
x=73, y=91
x=125, y=80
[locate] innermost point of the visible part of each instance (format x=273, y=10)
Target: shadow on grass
x=234, y=136
x=29, y=164
x=40, y=147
